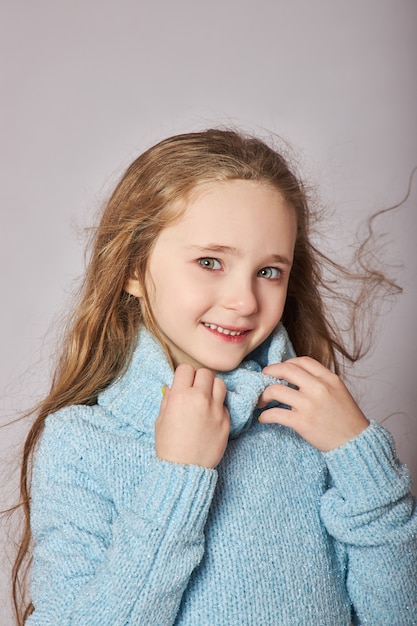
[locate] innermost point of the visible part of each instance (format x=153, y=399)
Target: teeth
x=224, y=331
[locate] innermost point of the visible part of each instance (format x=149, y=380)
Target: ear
x=134, y=287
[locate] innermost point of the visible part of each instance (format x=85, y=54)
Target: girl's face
x=217, y=278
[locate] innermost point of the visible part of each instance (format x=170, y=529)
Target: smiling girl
x=188, y=467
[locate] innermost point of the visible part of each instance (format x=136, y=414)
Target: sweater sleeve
x=97, y=565
x=370, y=511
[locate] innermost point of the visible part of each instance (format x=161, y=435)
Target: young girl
x=189, y=469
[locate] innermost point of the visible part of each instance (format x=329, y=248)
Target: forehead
x=215, y=204
x=246, y=218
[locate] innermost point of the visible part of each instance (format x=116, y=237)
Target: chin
x=222, y=367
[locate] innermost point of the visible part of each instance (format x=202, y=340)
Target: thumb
x=165, y=393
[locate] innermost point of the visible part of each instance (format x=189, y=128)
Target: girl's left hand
x=323, y=411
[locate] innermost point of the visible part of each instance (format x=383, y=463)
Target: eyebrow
x=214, y=248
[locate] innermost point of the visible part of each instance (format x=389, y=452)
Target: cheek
x=170, y=300
x=274, y=306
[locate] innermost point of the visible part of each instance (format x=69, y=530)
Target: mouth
x=226, y=331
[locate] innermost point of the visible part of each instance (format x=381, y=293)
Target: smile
x=224, y=331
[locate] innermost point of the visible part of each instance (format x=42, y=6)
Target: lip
x=227, y=333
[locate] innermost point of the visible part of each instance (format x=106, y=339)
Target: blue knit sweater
x=278, y=534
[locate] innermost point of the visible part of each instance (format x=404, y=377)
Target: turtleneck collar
x=135, y=397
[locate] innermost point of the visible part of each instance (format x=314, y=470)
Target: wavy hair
x=102, y=329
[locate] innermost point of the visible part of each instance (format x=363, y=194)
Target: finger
x=277, y=415
x=297, y=373
x=298, y=364
x=164, y=393
x=183, y=376
x=279, y=393
x=219, y=390
x=204, y=380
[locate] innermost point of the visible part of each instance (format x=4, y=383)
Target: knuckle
x=205, y=371
x=184, y=368
x=220, y=384
x=321, y=392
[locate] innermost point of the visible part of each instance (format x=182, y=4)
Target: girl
x=189, y=469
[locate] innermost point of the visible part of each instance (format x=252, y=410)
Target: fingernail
x=163, y=390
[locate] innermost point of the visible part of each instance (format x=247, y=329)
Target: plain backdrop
x=88, y=84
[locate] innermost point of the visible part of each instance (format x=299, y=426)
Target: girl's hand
x=323, y=411
x=193, y=424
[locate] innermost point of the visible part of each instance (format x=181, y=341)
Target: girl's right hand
x=193, y=424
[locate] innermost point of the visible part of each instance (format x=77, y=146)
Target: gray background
x=86, y=85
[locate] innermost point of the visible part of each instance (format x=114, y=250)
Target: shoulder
x=87, y=445
x=83, y=424
x=77, y=442
x=71, y=426
x=68, y=436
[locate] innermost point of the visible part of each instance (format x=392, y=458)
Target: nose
x=240, y=296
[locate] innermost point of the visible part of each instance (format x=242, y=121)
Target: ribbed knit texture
x=279, y=534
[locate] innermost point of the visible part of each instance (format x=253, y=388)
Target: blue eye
x=269, y=272
x=209, y=263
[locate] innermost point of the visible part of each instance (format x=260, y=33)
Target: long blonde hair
x=102, y=329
